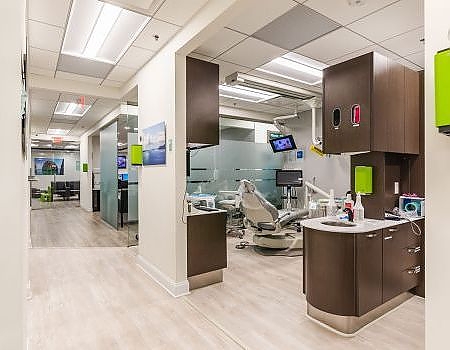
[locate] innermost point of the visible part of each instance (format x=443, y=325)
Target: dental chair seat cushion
x=268, y=226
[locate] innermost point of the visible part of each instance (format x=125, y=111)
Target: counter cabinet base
x=205, y=279
x=351, y=325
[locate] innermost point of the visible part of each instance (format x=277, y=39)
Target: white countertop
x=367, y=225
x=195, y=212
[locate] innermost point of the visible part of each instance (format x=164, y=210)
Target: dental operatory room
x=226, y=174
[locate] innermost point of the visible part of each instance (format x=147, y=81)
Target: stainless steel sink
x=338, y=223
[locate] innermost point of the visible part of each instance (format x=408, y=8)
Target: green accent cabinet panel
x=363, y=179
x=136, y=155
x=442, y=87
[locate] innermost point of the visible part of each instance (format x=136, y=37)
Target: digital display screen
x=123, y=177
x=292, y=178
x=282, y=144
x=121, y=162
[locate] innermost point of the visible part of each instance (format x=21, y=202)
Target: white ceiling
x=47, y=21
x=43, y=104
x=393, y=28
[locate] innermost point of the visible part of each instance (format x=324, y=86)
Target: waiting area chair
x=272, y=228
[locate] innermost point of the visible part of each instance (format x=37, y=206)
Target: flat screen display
x=121, y=162
x=123, y=177
x=48, y=166
x=282, y=144
x=293, y=178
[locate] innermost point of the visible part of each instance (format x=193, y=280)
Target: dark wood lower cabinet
x=206, y=243
x=351, y=274
x=369, y=272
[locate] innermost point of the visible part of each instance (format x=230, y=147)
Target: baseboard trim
x=175, y=289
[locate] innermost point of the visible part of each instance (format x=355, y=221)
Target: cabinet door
x=202, y=102
x=345, y=85
x=392, y=265
x=412, y=112
x=369, y=270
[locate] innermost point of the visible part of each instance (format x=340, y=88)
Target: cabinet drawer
x=412, y=276
x=411, y=256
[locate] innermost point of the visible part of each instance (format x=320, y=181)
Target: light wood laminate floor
x=98, y=298
x=66, y=225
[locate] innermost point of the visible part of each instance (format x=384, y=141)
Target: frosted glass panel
x=220, y=168
x=108, y=169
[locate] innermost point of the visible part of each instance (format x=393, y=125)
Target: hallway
x=98, y=298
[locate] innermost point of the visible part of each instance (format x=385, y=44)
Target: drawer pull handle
x=387, y=237
x=371, y=235
x=414, y=271
x=414, y=250
x=393, y=230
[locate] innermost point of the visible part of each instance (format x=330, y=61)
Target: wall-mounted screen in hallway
x=48, y=166
x=121, y=162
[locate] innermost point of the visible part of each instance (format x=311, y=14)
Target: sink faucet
x=349, y=213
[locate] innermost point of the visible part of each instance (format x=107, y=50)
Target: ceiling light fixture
x=100, y=31
x=245, y=93
x=71, y=109
x=59, y=132
x=102, y=27
x=295, y=67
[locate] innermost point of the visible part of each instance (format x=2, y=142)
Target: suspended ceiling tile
x=49, y=11
x=252, y=53
x=417, y=58
x=295, y=28
x=260, y=13
x=121, y=74
x=77, y=77
x=143, y=4
x=40, y=71
x=341, y=12
x=136, y=57
x=64, y=126
x=333, y=45
x=45, y=36
x=392, y=20
x=65, y=119
x=179, y=12
x=165, y=32
x=406, y=43
x=47, y=95
x=88, y=100
x=41, y=108
x=43, y=59
x=225, y=69
x=222, y=41
x=83, y=66
x=373, y=48
x=111, y=83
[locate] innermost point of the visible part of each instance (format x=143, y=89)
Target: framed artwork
x=154, y=144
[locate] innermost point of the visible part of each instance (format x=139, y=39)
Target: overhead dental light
x=71, y=109
x=101, y=31
x=244, y=93
x=295, y=67
x=269, y=86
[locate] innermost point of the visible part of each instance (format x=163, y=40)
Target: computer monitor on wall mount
x=283, y=144
x=289, y=178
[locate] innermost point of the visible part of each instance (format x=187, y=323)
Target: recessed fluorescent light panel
x=101, y=31
x=295, y=67
x=72, y=109
x=59, y=132
x=244, y=93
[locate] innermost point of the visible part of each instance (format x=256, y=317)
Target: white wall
x=70, y=170
x=437, y=191
x=330, y=171
x=14, y=208
x=161, y=97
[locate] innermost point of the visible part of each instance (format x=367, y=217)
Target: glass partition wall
x=55, y=169
x=243, y=153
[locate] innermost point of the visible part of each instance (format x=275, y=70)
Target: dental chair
x=271, y=228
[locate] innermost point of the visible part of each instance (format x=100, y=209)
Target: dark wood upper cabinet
x=202, y=102
x=387, y=96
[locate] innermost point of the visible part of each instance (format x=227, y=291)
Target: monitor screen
x=293, y=178
x=121, y=162
x=284, y=143
x=123, y=177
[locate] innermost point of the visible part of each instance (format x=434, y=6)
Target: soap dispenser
x=348, y=203
x=358, y=210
